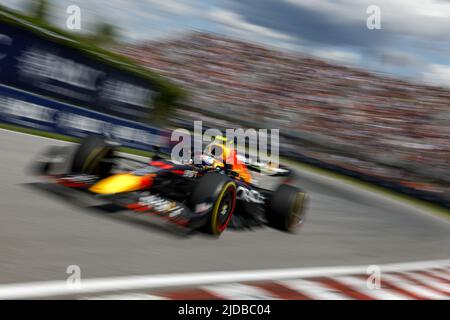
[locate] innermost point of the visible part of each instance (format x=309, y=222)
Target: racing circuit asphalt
x=41, y=235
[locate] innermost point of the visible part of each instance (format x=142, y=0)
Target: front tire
x=286, y=211
x=218, y=192
x=93, y=156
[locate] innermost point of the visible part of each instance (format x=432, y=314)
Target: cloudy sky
x=413, y=42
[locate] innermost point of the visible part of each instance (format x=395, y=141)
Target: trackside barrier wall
x=31, y=111
x=37, y=64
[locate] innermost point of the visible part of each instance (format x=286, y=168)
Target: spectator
x=392, y=129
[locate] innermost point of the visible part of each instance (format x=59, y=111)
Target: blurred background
x=369, y=103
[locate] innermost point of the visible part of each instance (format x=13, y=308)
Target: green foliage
x=105, y=34
x=39, y=9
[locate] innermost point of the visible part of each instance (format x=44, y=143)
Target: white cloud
x=171, y=6
x=237, y=24
x=437, y=74
x=335, y=55
x=421, y=18
x=13, y=4
x=352, y=8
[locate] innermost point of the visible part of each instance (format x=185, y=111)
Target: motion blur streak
x=331, y=276
x=43, y=235
x=363, y=120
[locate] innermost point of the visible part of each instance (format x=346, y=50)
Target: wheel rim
x=226, y=208
x=296, y=217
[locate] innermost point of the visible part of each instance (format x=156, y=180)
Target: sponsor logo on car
x=248, y=195
x=203, y=207
x=160, y=204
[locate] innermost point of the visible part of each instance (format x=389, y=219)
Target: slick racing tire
x=215, y=193
x=286, y=210
x=93, y=156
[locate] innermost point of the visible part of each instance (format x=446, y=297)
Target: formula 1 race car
x=207, y=197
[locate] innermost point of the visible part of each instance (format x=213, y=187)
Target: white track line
x=127, y=296
x=57, y=288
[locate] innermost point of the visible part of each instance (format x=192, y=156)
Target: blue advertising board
x=36, y=64
x=29, y=110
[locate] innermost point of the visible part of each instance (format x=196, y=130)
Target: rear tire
x=286, y=211
x=93, y=156
x=219, y=192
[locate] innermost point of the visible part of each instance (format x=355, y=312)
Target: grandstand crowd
x=373, y=124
